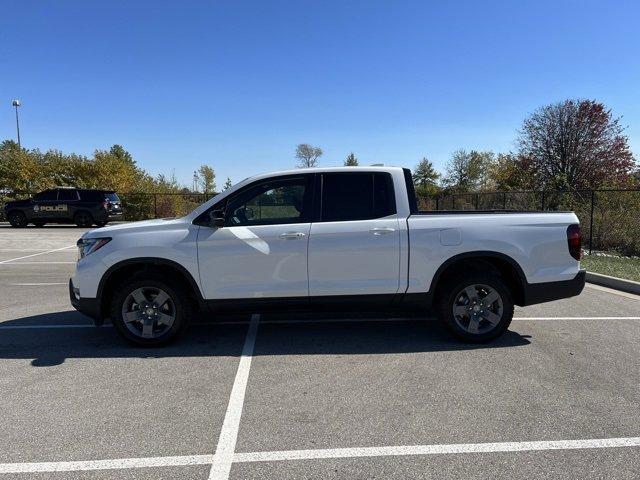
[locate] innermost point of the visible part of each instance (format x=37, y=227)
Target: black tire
x=83, y=219
x=453, y=294
x=177, y=294
x=101, y=224
x=17, y=219
x=38, y=224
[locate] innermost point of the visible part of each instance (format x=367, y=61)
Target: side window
x=271, y=203
x=356, y=196
x=67, y=195
x=91, y=196
x=46, y=196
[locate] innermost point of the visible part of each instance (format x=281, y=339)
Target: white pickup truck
x=326, y=238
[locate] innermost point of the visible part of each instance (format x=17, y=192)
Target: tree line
x=567, y=146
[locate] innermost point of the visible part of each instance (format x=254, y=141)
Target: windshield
x=112, y=196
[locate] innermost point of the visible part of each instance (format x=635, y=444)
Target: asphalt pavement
x=288, y=396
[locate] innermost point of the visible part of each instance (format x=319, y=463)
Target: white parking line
x=117, y=463
x=437, y=449
x=221, y=465
x=36, y=254
x=289, y=455
x=295, y=322
x=37, y=263
x=576, y=318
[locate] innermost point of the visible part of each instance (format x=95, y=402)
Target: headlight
x=90, y=245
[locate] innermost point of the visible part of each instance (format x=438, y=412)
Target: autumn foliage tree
x=575, y=144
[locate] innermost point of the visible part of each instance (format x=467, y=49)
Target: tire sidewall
x=175, y=293
x=452, y=289
x=79, y=215
x=22, y=219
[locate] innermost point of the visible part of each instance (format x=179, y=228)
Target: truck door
x=354, y=247
x=261, y=252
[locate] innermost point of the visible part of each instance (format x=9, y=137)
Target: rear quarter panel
x=536, y=241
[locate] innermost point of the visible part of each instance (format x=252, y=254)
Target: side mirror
x=216, y=218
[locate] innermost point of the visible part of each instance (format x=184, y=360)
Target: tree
x=512, y=172
x=307, y=155
x=119, y=152
x=351, y=161
x=424, y=174
x=207, y=178
x=227, y=184
x=576, y=144
x=469, y=171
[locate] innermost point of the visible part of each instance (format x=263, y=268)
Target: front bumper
x=88, y=306
x=548, y=291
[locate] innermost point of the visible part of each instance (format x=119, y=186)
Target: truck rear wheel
x=149, y=311
x=17, y=219
x=476, y=308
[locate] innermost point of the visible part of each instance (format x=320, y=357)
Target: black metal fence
x=610, y=219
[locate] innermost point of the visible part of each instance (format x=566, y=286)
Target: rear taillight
x=574, y=240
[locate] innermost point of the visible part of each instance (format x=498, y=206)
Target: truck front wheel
x=149, y=311
x=476, y=308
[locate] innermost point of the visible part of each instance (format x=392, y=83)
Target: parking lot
x=282, y=396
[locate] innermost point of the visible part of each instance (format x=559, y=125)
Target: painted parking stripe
x=289, y=455
x=221, y=465
x=36, y=254
x=117, y=463
x=286, y=322
x=437, y=449
x=576, y=318
x=37, y=263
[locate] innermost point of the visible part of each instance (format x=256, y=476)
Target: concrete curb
x=628, y=286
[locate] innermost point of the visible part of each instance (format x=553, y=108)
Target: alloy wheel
x=148, y=312
x=478, y=308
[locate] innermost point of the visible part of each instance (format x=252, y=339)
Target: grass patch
x=621, y=267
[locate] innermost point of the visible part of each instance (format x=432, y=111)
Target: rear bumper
x=88, y=306
x=548, y=291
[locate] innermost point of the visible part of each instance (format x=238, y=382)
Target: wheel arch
x=127, y=268
x=504, y=265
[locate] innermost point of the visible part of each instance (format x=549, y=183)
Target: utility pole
x=16, y=103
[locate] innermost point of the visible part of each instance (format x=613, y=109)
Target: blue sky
x=238, y=84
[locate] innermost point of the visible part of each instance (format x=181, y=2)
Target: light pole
x=16, y=103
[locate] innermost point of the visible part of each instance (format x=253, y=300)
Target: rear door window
x=67, y=195
x=356, y=196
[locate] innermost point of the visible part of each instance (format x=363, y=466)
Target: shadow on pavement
x=50, y=347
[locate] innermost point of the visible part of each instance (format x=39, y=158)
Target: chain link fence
x=610, y=219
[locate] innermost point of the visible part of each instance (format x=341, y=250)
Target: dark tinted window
x=91, y=196
x=356, y=196
x=47, y=195
x=67, y=195
x=271, y=203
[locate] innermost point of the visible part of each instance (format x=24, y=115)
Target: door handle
x=292, y=235
x=381, y=230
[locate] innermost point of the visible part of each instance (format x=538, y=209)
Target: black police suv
x=65, y=205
